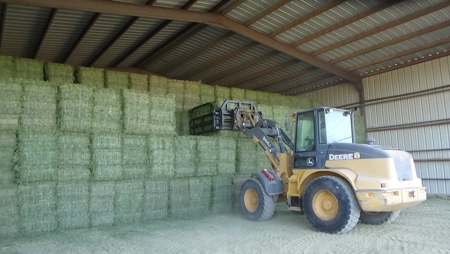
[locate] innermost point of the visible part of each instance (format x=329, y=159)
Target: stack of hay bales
x=221, y=94
x=136, y=112
x=36, y=156
x=8, y=68
x=107, y=111
x=199, y=196
x=207, y=154
x=75, y=108
x=93, y=77
x=9, y=210
x=134, y=156
x=10, y=105
x=237, y=94
x=207, y=93
x=128, y=201
x=162, y=114
x=106, y=157
x=226, y=158
x=156, y=200
x=246, y=152
x=157, y=85
x=8, y=144
x=117, y=80
x=185, y=157
x=251, y=96
x=222, y=194
x=179, y=198
x=29, y=69
x=191, y=98
x=72, y=206
x=238, y=180
x=74, y=159
x=37, y=208
x=38, y=106
x=176, y=87
x=59, y=73
x=139, y=82
x=161, y=153
x=101, y=203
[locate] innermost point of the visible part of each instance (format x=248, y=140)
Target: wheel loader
x=321, y=173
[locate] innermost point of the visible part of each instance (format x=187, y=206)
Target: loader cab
x=317, y=128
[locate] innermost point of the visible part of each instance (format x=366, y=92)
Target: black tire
x=379, y=218
x=258, y=208
x=330, y=205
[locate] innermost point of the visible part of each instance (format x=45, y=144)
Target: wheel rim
x=325, y=205
x=251, y=200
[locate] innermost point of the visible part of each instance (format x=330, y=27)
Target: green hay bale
x=207, y=150
x=138, y=81
x=226, y=156
x=73, y=173
x=7, y=176
x=179, y=198
x=191, y=98
x=266, y=110
x=182, y=123
x=246, y=153
x=279, y=114
x=9, y=122
x=10, y=105
x=263, y=97
x=92, y=77
x=156, y=200
x=59, y=73
x=157, y=85
x=106, y=141
x=276, y=99
x=162, y=122
x=162, y=102
x=75, y=108
x=37, y=208
x=237, y=94
x=360, y=129
x=29, y=69
x=135, y=157
x=102, y=197
x=222, y=194
x=117, y=80
x=286, y=101
x=9, y=211
x=102, y=219
x=221, y=93
x=300, y=103
x=72, y=206
x=134, y=171
x=161, y=155
x=199, y=196
x=7, y=68
x=107, y=111
x=251, y=96
x=316, y=103
x=207, y=93
x=185, y=162
x=238, y=180
x=38, y=106
x=128, y=202
x=176, y=87
x=136, y=112
x=8, y=139
x=106, y=157
x=74, y=149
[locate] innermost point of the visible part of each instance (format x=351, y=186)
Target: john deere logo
x=356, y=155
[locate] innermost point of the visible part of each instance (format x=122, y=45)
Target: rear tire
x=256, y=204
x=379, y=218
x=330, y=205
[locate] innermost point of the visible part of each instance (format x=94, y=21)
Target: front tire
x=330, y=205
x=256, y=204
x=379, y=218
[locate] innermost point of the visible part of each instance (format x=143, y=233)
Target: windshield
x=335, y=127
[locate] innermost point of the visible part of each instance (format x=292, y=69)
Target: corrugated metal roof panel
x=162, y=36
x=23, y=28
x=62, y=34
x=130, y=38
x=204, y=5
x=247, y=10
x=103, y=30
x=293, y=81
x=175, y=4
x=132, y=1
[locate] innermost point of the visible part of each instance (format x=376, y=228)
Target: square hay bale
x=176, y=87
x=8, y=144
x=37, y=208
x=106, y=165
x=7, y=68
x=316, y=103
x=300, y=103
x=134, y=171
x=68, y=173
x=222, y=93
x=128, y=205
x=156, y=200
x=136, y=112
x=263, y=97
x=161, y=154
x=101, y=204
x=237, y=94
x=117, y=80
x=10, y=105
x=106, y=141
x=72, y=206
x=134, y=156
x=191, y=98
x=74, y=149
x=207, y=93
x=92, y=77
x=162, y=123
x=266, y=110
x=279, y=114
x=252, y=96
x=9, y=212
x=59, y=73
x=238, y=180
x=182, y=123
x=222, y=194
x=29, y=69
x=75, y=108
x=179, y=198
x=199, y=196
x=138, y=81
x=107, y=111
x=245, y=156
x=36, y=156
x=275, y=99
x=7, y=176
x=226, y=156
x=102, y=219
x=38, y=106
x=185, y=157
x=162, y=102
x=157, y=84
x=207, y=154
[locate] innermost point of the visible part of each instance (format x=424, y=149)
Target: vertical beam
x=51, y=17
x=82, y=35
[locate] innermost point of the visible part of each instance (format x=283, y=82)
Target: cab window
x=305, y=132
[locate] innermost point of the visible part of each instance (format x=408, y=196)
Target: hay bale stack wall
x=89, y=147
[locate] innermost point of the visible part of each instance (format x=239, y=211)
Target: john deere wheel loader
x=322, y=172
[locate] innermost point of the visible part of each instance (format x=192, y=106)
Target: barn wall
x=409, y=108
x=335, y=96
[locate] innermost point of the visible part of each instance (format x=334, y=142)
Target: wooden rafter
x=284, y=77
x=382, y=28
x=393, y=41
x=50, y=19
x=289, y=88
